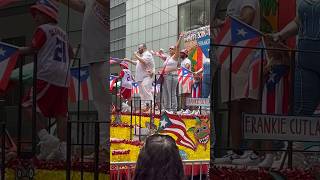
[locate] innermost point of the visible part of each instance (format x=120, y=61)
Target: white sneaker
x=267, y=162
x=251, y=160
x=60, y=153
x=227, y=159
x=48, y=144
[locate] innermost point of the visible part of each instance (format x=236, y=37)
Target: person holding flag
x=50, y=44
x=238, y=29
x=184, y=92
x=170, y=77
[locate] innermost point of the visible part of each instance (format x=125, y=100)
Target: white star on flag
x=2, y=52
x=82, y=73
x=242, y=32
x=272, y=76
x=163, y=123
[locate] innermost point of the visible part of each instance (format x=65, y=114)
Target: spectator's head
x=183, y=53
x=172, y=50
x=124, y=65
x=159, y=159
x=142, y=48
x=45, y=11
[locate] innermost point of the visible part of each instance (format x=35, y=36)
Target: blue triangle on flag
x=6, y=51
x=241, y=31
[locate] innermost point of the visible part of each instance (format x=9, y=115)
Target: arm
x=199, y=71
x=77, y=5
x=27, y=51
x=130, y=61
x=139, y=58
x=290, y=30
x=177, y=48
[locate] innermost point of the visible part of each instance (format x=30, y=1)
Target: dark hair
x=159, y=159
x=143, y=45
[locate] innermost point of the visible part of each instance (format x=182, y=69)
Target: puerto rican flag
x=83, y=81
x=8, y=58
x=113, y=80
x=196, y=90
x=185, y=79
x=235, y=32
x=173, y=124
x=275, y=99
x=6, y=2
x=135, y=88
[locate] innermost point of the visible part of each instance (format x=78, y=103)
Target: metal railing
x=219, y=108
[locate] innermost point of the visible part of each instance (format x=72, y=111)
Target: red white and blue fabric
x=173, y=124
x=135, y=88
x=254, y=72
x=235, y=32
x=83, y=81
x=113, y=80
x=185, y=80
x=275, y=98
x=7, y=2
x=8, y=59
x=196, y=90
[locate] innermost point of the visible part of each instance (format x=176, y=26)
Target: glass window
x=142, y=24
x=149, y=8
x=156, y=19
x=135, y=26
x=148, y=35
x=164, y=4
x=142, y=36
x=164, y=16
x=142, y=9
x=129, y=16
x=156, y=5
x=173, y=13
x=172, y=3
x=156, y=33
x=184, y=16
x=164, y=43
x=165, y=30
x=135, y=13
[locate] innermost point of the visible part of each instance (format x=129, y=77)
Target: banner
x=204, y=102
x=286, y=128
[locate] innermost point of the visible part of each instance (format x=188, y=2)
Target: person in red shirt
x=50, y=44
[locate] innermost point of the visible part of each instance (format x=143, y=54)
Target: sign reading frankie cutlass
x=289, y=128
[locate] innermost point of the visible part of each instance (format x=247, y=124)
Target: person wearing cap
x=94, y=52
x=184, y=92
x=170, y=78
x=50, y=44
x=126, y=81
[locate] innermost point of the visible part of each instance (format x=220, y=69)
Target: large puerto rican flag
x=173, y=124
x=8, y=58
x=83, y=81
x=235, y=32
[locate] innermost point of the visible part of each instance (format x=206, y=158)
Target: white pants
x=146, y=91
x=101, y=97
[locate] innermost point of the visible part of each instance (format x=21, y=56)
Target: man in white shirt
x=145, y=70
x=94, y=52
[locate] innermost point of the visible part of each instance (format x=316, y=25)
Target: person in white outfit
x=145, y=70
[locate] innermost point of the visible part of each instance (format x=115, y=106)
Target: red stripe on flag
x=285, y=101
x=241, y=58
x=71, y=92
x=225, y=53
x=223, y=32
x=84, y=90
x=6, y=75
x=271, y=101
